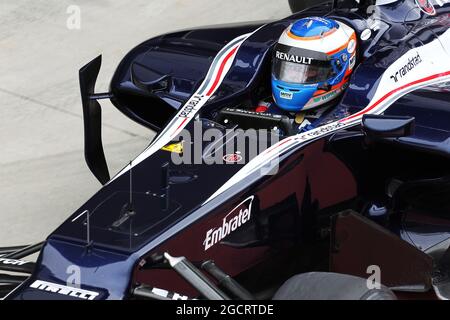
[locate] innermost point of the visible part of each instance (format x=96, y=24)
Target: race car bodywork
x=367, y=189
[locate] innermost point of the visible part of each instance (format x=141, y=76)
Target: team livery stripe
x=263, y=159
x=209, y=76
x=219, y=75
x=181, y=124
x=268, y=150
x=244, y=178
x=426, y=74
x=387, y=95
x=216, y=73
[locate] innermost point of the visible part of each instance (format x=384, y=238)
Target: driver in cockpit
x=311, y=66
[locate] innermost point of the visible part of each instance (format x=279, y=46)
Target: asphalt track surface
x=43, y=176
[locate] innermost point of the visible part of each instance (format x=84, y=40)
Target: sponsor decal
x=325, y=96
x=64, y=290
x=293, y=58
x=220, y=66
x=190, y=106
x=233, y=157
x=429, y=6
x=174, y=147
x=386, y=94
x=320, y=131
x=426, y=7
x=13, y=262
x=286, y=95
x=243, y=111
x=319, y=100
x=365, y=35
x=168, y=294
x=351, y=46
x=237, y=217
x=409, y=66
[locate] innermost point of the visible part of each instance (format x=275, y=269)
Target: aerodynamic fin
x=92, y=114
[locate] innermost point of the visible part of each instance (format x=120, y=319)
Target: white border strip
x=387, y=93
x=217, y=72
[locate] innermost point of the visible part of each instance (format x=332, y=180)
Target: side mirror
x=381, y=126
x=148, y=80
x=92, y=117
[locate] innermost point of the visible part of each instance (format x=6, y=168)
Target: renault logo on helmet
x=293, y=58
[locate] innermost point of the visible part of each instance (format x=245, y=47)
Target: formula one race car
x=231, y=203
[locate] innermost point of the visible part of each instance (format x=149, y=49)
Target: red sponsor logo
x=426, y=6
x=233, y=157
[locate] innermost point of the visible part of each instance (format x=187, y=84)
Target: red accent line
x=286, y=141
x=216, y=80
x=219, y=74
x=182, y=122
x=394, y=91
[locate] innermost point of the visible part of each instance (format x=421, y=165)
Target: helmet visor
x=292, y=72
x=299, y=66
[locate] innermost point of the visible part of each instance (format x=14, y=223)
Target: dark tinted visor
x=300, y=66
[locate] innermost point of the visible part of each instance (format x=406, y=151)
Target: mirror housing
x=383, y=126
x=92, y=117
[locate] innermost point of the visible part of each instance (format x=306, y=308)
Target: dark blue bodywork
x=159, y=76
